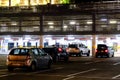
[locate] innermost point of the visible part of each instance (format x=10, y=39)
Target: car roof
x=24, y=47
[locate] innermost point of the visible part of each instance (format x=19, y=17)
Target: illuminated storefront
x=31, y=2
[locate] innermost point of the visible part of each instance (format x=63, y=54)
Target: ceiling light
x=72, y=22
x=89, y=22
x=50, y=23
x=113, y=22
x=36, y=27
x=51, y=26
x=103, y=19
x=65, y=26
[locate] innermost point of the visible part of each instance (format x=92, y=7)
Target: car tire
x=66, y=59
x=113, y=55
x=49, y=64
x=33, y=67
x=96, y=56
x=10, y=69
x=88, y=54
x=81, y=53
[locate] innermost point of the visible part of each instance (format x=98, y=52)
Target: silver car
x=31, y=58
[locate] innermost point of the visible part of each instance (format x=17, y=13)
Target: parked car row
x=35, y=58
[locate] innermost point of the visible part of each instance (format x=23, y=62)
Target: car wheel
x=33, y=67
x=88, y=54
x=96, y=56
x=66, y=59
x=81, y=53
x=113, y=55
x=49, y=64
x=108, y=55
x=10, y=68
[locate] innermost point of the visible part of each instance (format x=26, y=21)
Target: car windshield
x=72, y=46
x=101, y=46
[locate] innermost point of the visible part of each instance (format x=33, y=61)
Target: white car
x=78, y=50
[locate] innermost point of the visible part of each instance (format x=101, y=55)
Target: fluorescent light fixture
x=89, y=22
x=103, y=19
x=71, y=38
x=13, y=23
x=50, y=23
x=65, y=26
x=51, y=26
x=7, y=38
x=27, y=38
x=72, y=22
x=112, y=22
x=36, y=27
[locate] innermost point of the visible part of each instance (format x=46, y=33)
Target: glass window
x=67, y=23
x=30, y=24
x=107, y=22
x=35, y=51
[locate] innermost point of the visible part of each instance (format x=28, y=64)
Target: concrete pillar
x=41, y=41
x=93, y=45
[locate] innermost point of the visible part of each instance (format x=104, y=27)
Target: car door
x=44, y=56
x=37, y=57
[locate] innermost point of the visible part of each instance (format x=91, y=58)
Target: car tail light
x=67, y=49
x=106, y=50
x=28, y=57
x=28, y=60
x=59, y=49
x=96, y=50
x=8, y=58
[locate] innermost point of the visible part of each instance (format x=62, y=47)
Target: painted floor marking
x=94, y=62
x=116, y=76
x=7, y=75
x=116, y=63
x=70, y=76
x=81, y=72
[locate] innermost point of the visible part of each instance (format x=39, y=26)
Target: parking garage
x=44, y=25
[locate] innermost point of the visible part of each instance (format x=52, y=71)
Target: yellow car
x=31, y=58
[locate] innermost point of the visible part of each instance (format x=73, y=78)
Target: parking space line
x=95, y=62
x=70, y=76
x=116, y=76
x=81, y=72
x=46, y=70
x=116, y=63
x=7, y=75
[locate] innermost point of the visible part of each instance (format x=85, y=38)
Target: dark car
x=104, y=50
x=57, y=53
x=31, y=58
